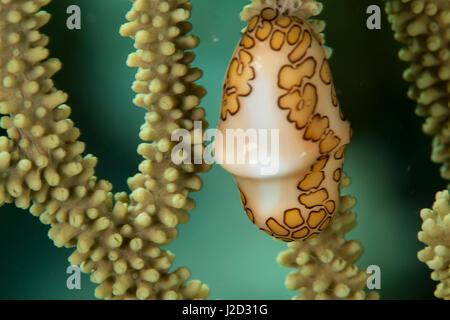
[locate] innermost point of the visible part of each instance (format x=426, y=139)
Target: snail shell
x=279, y=82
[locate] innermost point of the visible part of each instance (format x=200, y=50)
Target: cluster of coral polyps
x=435, y=233
x=117, y=237
x=300, y=8
x=424, y=26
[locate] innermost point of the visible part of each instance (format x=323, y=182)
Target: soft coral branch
x=117, y=237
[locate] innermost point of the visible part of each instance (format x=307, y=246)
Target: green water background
x=388, y=159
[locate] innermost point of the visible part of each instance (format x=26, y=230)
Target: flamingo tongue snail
x=279, y=79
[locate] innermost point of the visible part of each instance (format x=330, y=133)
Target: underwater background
x=388, y=159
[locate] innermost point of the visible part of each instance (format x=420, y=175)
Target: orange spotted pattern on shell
x=307, y=101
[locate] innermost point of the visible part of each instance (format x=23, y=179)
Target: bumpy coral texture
x=117, y=236
x=424, y=26
x=435, y=233
x=325, y=264
x=299, y=8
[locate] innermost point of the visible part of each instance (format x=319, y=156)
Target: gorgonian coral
x=424, y=26
x=435, y=233
x=117, y=236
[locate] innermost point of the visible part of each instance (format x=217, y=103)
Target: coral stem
x=117, y=237
x=424, y=27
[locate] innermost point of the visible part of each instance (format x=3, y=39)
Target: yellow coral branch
x=435, y=233
x=117, y=238
x=424, y=25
